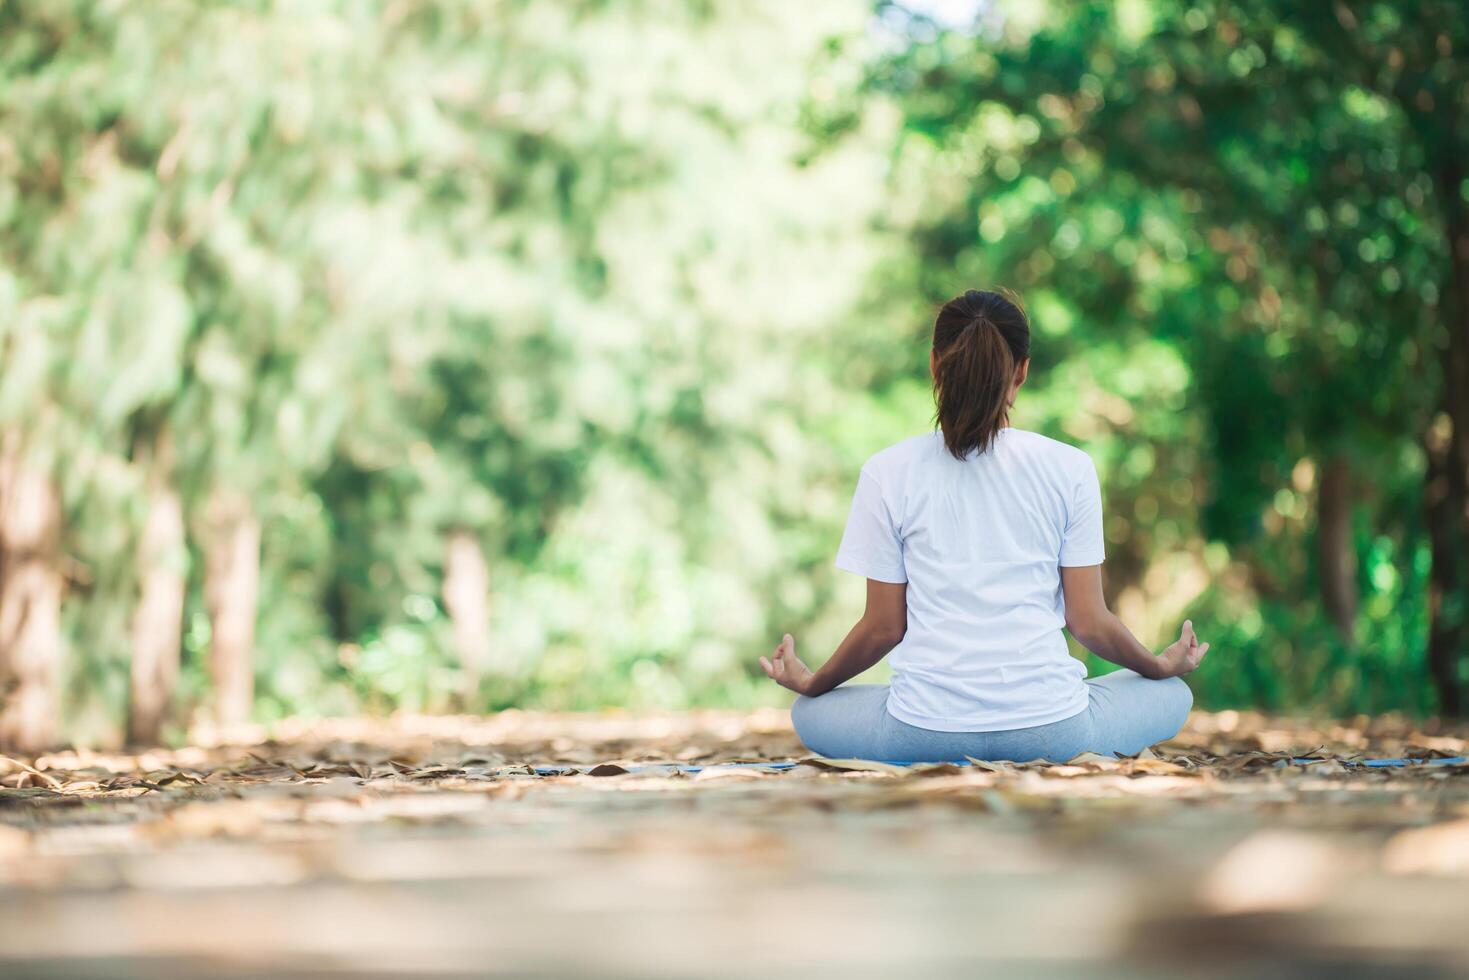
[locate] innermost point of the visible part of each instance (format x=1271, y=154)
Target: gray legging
x=1127, y=712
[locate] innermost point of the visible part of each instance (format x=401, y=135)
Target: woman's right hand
x=1184, y=655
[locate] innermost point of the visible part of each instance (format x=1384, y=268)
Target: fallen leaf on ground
x=856, y=765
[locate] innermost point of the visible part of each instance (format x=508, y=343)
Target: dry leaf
x=30, y=779
x=1152, y=766
x=988, y=766
x=856, y=765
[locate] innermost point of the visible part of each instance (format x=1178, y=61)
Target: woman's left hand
x=1183, y=655
x=786, y=669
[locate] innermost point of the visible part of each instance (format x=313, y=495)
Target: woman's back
x=980, y=542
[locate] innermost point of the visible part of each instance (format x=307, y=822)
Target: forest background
x=360, y=356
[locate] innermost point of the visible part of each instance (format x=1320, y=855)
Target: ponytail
x=979, y=339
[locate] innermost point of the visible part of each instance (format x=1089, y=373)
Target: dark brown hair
x=978, y=340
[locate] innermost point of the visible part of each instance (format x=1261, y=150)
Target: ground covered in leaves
x=545, y=845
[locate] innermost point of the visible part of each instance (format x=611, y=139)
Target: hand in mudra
x=1184, y=655
x=786, y=669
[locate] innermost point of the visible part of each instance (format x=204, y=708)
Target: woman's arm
x=882, y=625
x=1094, y=626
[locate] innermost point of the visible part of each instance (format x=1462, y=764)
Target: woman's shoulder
x=1054, y=450
x=901, y=455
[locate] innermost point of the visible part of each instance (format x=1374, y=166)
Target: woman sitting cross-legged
x=980, y=542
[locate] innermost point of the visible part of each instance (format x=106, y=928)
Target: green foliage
x=544, y=272
x=629, y=291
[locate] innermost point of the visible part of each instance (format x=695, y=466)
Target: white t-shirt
x=980, y=543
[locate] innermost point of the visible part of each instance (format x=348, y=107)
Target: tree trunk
x=1445, y=630
x=467, y=600
x=31, y=587
x=231, y=591
x=157, y=628
x=1446, y=491
x=1336, y=557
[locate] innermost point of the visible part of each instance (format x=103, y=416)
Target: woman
x=979, y=542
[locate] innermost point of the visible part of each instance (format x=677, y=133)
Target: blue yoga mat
x=1399, y=763
x=678, y=767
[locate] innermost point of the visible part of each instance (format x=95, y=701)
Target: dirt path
x=426, y=846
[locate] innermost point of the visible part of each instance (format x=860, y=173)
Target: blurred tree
x=392, y=302
x=231, y=592
x=157, y=625
x=466, y=599
x=30, y=598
